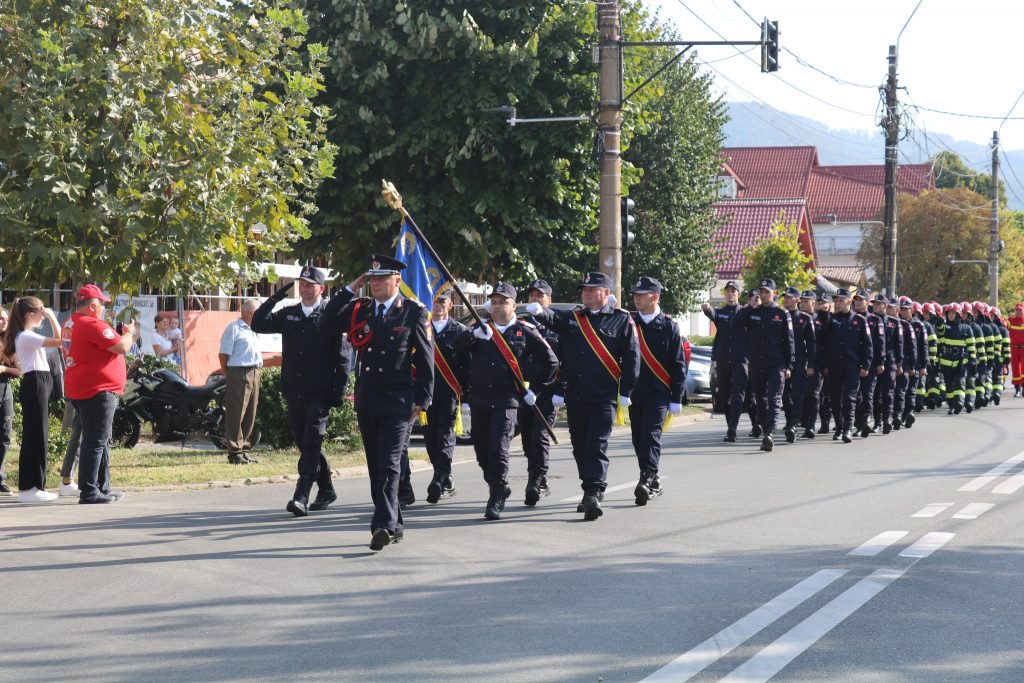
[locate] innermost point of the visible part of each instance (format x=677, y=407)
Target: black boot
x=755, y=431
x=886, y=427
x=600, y=497
x=448, y=487
x=909, y=420
x=325, y=495
x=995, y=399
x=643, y=488
x=730, y=435
x=300, y=499
x=434, y=488
x=767, y=443
x=591, y=506
x=656, y=489
x=824, y=427
x=536, y=489
x=838, y=434
x=790, y=434
x=847, y=436
x=969, y=407
x=865, y=431
x=897, y=422
x=809, y=433
x=406, y=495
x=496, y=502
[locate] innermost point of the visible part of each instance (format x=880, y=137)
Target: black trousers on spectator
x=384, y=437
x=536, y=442
x=590, y=425
x=97, y=415
x=308, y=417
x=646, y=417
x=34, y=394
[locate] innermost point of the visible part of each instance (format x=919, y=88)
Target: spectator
x=8, y=371
x=96, y=373
x=28, y=313
x=240, y=362
x=162, y=346
x=174, y=334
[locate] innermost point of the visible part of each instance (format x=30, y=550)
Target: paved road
x=897, y=558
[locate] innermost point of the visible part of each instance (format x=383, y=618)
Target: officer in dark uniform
x=1001, y=346
x=722, y=356
x=907, y=367
x=866, y=392
x=451, y=383
x=920, y=368
x=394, y=379
x=750, y=399
x=771, y=356
x=495, y=365
x=848, y=357
x=314, y=376
x=885, y=388
x=740, y=394
x=600, y=369
x=806, y=363
x=536, y=442
x=817, y=404
x=659, y=389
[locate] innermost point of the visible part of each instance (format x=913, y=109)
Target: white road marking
x=974, y=510
x=1011, y=485
x=725, y=641
x=932, y=509
x=878, y=543
x=993, y=474
x=775, y=657
x=610, y=489
x=927, y=544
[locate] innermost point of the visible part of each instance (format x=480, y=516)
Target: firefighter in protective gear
x=983, y=381
x=1015, y=326
x=956, y=354
x=1002, y=362
x=935, y=390
x=971, y=376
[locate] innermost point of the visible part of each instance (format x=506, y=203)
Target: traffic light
x=769, y=46
x=628, y=221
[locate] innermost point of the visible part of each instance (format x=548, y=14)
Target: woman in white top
x=162, y=346
x=28, y=347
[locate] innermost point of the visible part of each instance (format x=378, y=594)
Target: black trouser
x=97, y=414
x=34, y=395
x=646, y=417
x=842, y=388
x=737, y=394
x=767, y=384
x=308, y=417
x=6, y=425
x=900, y=395
x=536, y=442
x=866, y=397
x=885, y=394
x=493, y=428
x=954, y=379
x=723, y=387
x=590, y=425
x=970, y=375
x=794, y=397
x=910, y=395
x=439, y=435
x=384, y=437
x=813, y=400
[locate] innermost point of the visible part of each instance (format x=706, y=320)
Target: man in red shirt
x=1016, y=327
x=95, y=374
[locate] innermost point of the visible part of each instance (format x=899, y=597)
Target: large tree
x=951, y=171
x=141, y=140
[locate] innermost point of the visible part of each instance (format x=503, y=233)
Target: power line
x=1009, y=187
x=1015, y=103
x=972, y=116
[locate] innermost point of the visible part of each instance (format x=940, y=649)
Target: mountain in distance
x=753, y=124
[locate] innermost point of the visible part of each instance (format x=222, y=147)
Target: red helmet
x=995, y=311
x=955, y=307
x=981, y=307
x=966, y=307
x=918, y=308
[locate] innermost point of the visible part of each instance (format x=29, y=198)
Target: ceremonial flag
x=423, y=278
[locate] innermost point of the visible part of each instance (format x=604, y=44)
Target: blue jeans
x=97, y=415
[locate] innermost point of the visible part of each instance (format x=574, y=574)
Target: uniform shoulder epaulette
x=527, y=325
x=621, y=310
x=417, y=302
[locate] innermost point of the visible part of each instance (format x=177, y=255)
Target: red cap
x=92, y=292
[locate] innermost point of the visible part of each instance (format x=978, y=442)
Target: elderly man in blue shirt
x=240, y=361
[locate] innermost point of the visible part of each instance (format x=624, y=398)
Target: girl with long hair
x=28, y=347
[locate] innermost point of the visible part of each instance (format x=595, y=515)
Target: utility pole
x=609, y=123
x=993, y=231
x=891, y=124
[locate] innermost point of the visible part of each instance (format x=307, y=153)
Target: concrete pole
x=610, y=129
x=993, y=241
x=892, y=130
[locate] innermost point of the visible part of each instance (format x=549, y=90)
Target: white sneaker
x=68, y=490
x=34, y=495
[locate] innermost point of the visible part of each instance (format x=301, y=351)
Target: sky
x=953, y=56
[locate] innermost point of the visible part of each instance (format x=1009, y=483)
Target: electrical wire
x=1015, y=103
x=1006, y=162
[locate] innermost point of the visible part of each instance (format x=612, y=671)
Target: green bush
x=701, y=340
x=272, y=415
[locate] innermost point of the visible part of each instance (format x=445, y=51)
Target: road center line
x=1011, y=485
x=932, y=509
x=993, y=474
x=725, y=641
x=878, y=543
x=974, y=510
x=927, y=544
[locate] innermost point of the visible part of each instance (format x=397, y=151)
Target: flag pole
x=394, y=200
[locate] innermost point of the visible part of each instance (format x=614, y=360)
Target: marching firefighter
x=1002, y=361
x=907, y=367
x=956, y=351
x=821, y=408
x=813, y=397
x=866, y=391
x=1015, y=325
x=806, y=359
x=928, y=331
x=978, y=344
x=935, y=386
x=885, y=389
x=983, y=381
x=847, y=359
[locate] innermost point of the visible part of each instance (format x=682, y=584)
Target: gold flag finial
x=391, y=195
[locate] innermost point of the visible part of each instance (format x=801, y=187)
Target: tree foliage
x=779, y=257
x=140, y=140
x=951, y=171
x=941, y=223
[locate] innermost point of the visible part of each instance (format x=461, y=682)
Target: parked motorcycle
x=176, y=410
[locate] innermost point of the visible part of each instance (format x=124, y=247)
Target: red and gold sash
x=441, y=364
x=656, y=368
x=597, y=346
x=506, y=352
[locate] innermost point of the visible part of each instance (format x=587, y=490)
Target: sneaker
x=5, y=490
x=34, y=495
x=68, y=490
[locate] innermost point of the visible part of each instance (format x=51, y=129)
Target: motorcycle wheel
x=125, y=430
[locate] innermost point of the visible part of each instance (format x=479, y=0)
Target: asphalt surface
x=741, y=571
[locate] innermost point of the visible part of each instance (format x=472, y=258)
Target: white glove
x=534, y=308
x=487, y=306
x=675, y=408
x=557, y=401
x=484, y=332
x=465, y=407
x=611, y=301
x=624, y=402
x=529, y=398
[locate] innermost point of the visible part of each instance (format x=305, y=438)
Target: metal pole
x=993, y=241
x=892, y=129
x=610, y=130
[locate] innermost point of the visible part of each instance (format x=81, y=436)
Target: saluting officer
x=892, y=360
x=866, y=392
x=451, y=384
x=770, y=354
x=505, y=354
x=659, y=389
x=314, y=377
x=848, y=357
x=535, y=439
x=723, y=356
x=741, y=395
x=806, y=362
x=394, y=379
x=600, y=368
